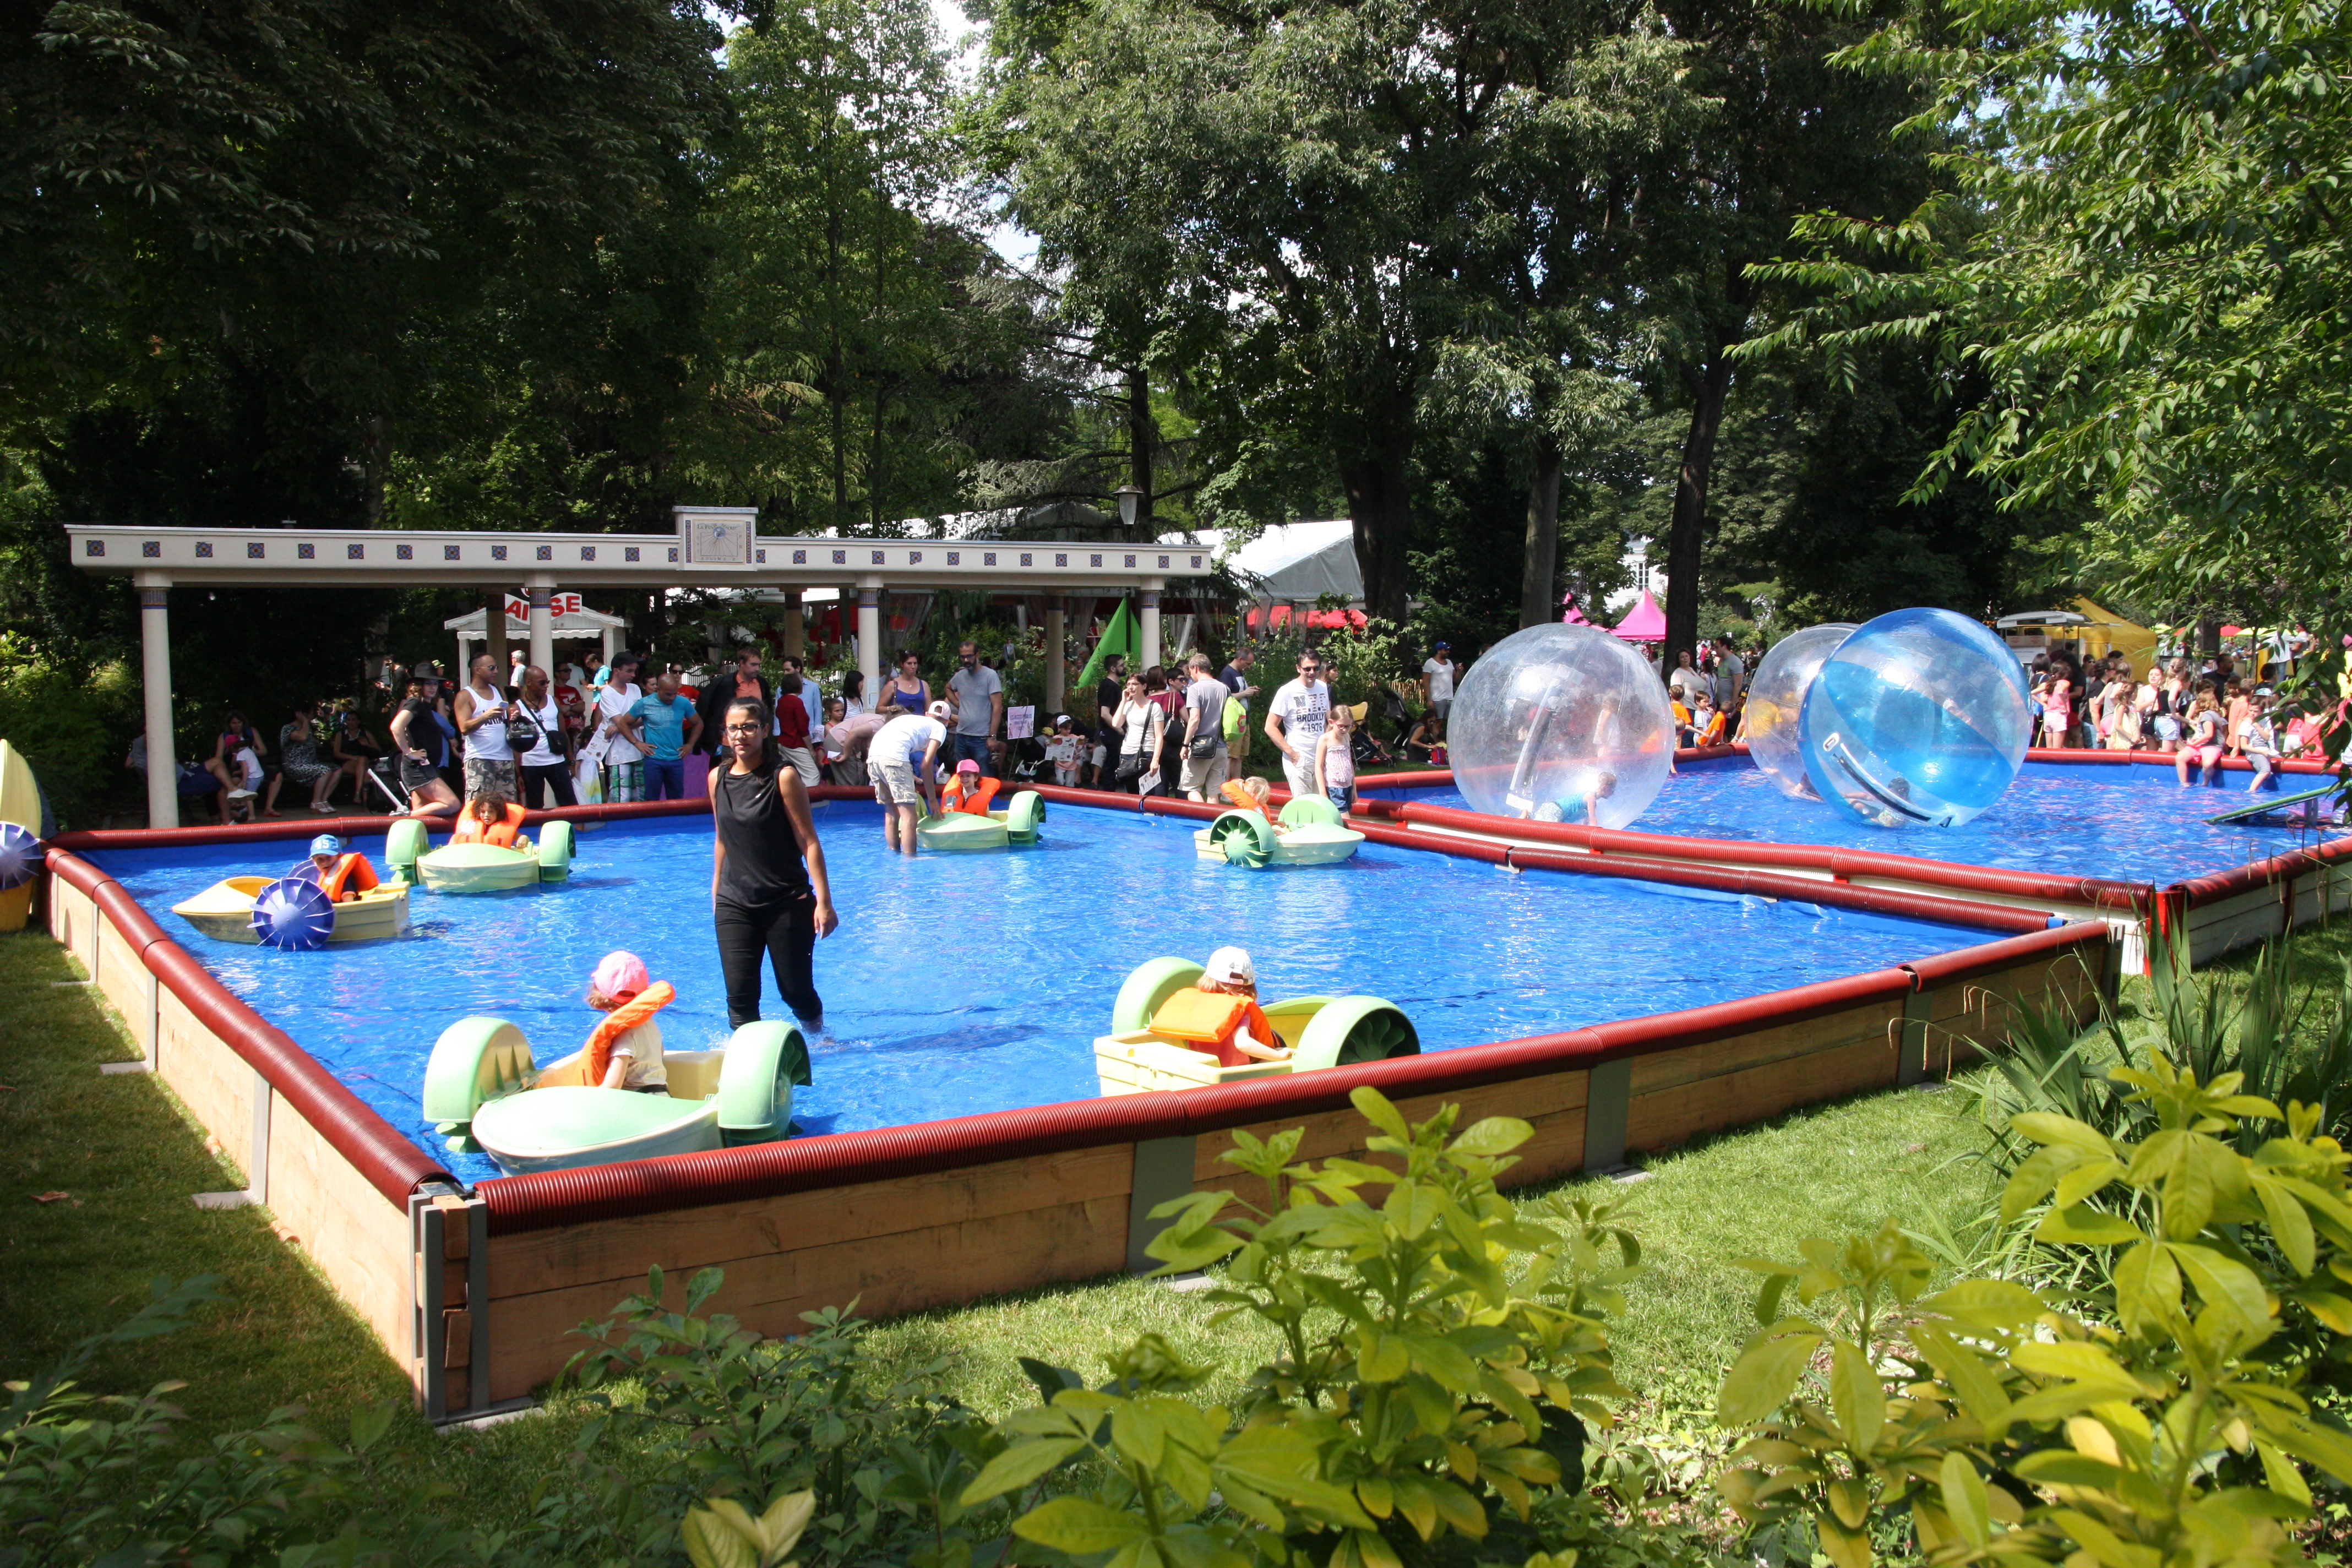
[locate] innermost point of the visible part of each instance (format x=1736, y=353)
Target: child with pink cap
x=625, y=1049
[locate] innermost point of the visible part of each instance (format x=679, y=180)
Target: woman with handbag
x=1142, y=727
x=541, y=744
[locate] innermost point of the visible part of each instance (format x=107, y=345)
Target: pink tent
x=1315, y=620
x=1572, y=617
x=1646, y=624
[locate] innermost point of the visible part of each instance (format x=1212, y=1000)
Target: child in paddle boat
x=1235, y=1031
x=628, y=1039
x=341, y=877
x=1254, y=793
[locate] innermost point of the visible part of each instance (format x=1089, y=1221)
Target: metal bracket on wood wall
x=1608, y=1103
x=1163, y=1169
x=256, y=1166
x=1911, y=1066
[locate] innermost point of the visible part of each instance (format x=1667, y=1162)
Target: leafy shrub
x=74, y=729
x=2154, y=1419
x=1441, y=1354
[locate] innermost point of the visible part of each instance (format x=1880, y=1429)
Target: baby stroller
x=381, y=773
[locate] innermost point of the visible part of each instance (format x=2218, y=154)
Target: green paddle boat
x=484, y=1094
x=1016, y=823
x=1321, y=1032
x=1312, y=834
x=478, y=867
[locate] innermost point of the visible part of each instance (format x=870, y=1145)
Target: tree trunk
x=1142, y=432
x=1708, y=388
x=1379, y=508
x=1542, y=568
x=1686, y=533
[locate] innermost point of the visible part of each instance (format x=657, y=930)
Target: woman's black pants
x=787, y=930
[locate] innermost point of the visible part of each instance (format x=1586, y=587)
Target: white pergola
x=713, y=547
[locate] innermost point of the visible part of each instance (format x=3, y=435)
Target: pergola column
x=1058, y=674
x=155, y=683
x=540, y=590
x=1151, y=643
x=869, y=636
x=795, y=626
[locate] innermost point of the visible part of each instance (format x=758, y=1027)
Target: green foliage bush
x=72, y=728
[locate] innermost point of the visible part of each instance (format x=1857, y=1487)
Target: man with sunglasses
x=1302, y=708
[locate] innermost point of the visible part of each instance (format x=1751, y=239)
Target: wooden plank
x=936, y=1266
x=692, y=1238
x=212, y=1081
x=1690, y=1064
x=356, y=1238
x=71, y=912
x=1670, y=1116
x=122, y=978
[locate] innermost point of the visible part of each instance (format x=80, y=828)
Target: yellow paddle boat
x=1321, y=1032
x=478, y=867
x=20, y=803
x=1312, y=834
x=1016, y=823
x=484, y=1094
x=223, y=912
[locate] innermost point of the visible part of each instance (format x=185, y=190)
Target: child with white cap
x=1221, y=1013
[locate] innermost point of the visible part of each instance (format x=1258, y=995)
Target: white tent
x=1291, y=562
x=568, y=617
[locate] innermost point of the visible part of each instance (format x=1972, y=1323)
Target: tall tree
x=2147, y=268
x=1793, y=136
x=1303, y=174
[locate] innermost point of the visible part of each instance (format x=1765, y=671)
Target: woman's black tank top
x=763, y=852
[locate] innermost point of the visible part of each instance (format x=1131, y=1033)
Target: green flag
x=1118, y=637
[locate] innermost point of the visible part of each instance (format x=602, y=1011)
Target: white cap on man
x=1230, y=966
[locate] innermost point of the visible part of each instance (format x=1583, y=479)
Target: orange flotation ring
x=596, y=1056
x=955, y=798
x=499, y=834
x=1212, y=1018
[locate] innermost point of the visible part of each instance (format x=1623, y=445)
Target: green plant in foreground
x=1441, y=1351
x=2006, y=1429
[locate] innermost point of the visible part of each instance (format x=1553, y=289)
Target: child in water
x=625, y=1051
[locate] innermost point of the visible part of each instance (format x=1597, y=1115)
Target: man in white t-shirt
x=619, y=758
x=903, y=759
x=1302, y=708
x=1437, y=672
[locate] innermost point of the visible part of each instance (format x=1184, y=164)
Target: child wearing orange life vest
x=340, y=877
x=1254, y=793
x=1221, y=1013
x=969, y=790
x=626, y=1050
x=489, y=818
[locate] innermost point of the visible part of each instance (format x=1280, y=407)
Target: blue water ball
x=1561, y=723
x=1918, y=720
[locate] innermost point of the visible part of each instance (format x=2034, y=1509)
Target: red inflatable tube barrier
x=392, y=1163
x=2277, y=869
x=1971, y=962
x=1491, y=853
x=1842, y=864
x=1796, y=890
x=1696, y=1025
x=2069, y=757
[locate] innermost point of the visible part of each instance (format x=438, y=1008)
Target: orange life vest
x=1241, y=797
x=1211, y=1018
x=352, y=874
x=500, y=834
x=974, y=800
x=596, y=1056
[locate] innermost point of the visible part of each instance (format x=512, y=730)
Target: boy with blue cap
x=341, y=877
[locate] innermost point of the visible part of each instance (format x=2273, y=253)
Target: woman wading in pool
x=768, y=888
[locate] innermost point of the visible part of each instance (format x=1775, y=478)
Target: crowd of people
x=621, y=734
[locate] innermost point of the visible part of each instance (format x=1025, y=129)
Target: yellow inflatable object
x=20, y=802
x=223, y=912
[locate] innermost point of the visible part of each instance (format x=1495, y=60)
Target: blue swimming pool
x=2133, y=824
x=966, y=983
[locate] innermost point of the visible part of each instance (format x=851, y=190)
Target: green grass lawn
x=130, y=1161
x=120, y=1146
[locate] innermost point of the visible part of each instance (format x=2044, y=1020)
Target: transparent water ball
x=1918, y=720
x=1776, y=696
x=1561, y=723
